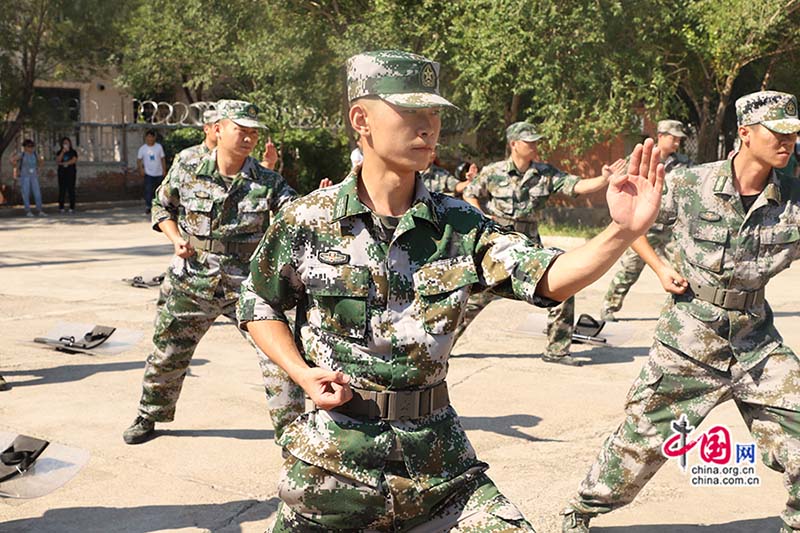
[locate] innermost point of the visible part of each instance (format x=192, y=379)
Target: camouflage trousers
x=182, y=319
x=671, y=385
x=317, y=501
x=560, y=321
x=632, y=266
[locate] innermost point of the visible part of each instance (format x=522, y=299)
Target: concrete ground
x=215, y=468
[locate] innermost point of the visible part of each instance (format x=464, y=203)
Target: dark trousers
x=66, y=185
x=151, y=183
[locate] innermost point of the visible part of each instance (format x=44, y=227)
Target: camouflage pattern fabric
x=438, y=179
x=659, y=236
x=468, y=504
x=520, y=197
x=705, y=354
x=386, y=314
x=400, y=78
x=777, y=111
x=515, y=195
x=199, y=289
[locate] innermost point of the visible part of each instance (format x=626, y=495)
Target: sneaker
x=42, y=214
x=608, y=316
x=3, y=384
x=60, y=210
x=142, y=429
x=565, y=359
x=575, y=522
x=28, y=214
x=71, y=211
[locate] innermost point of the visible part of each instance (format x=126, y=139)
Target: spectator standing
x=26, y=169
x=66, y=159
x=152, y=165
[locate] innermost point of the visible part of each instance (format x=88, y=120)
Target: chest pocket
x=502, y=197
x=340, y=295
x=197, y=215
x=254, y=215
x=778, y=247
x=709, y=244
x=443, y=288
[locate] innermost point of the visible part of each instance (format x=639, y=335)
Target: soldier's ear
x=744, y=135
x=358, y=118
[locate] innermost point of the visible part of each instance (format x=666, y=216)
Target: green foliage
x=178, y=139
x=585, y=71
x=311, y=155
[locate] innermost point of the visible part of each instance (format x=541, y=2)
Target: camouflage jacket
x=195, y=196
x=662, y=223
x=385, y=313
x=509, y=194
x=721, y=246
x=438, y=179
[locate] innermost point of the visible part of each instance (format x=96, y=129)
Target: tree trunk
x=512, y=113
x=707, y=136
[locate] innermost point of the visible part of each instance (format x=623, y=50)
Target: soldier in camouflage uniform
x=438, y=179
x=737, y=225
x=384, y=268
x=190, y=157
x=514, y=192
x=669, y=135
x=214, y=209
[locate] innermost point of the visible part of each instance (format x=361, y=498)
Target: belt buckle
x=734, y=300
x=403, y=406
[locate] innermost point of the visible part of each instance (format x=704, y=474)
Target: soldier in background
x=736, y=225
x=385, y=267
x=514, y=192
x=214, y=210
x=669, y=137
x=438, y=179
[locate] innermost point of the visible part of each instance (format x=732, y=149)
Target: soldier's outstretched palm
x=634, y=198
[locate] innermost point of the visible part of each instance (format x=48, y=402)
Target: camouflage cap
x=522, y=131
x=776, y=111
x=210, y=116
x=671, y=127
x=241, y=112
x=400, y=78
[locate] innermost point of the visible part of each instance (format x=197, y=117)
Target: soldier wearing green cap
x=737, y=225
x=513, y=193
x=384, y=268
x=190, y=157
x=214, y=208
x=669, y=135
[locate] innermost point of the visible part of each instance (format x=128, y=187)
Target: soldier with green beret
x=384, y=268
x=514, y=192
x=668, y=139
x=214, y=207
x=737, y=225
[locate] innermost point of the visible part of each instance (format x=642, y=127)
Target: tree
x=48, y=39
x=718, y=52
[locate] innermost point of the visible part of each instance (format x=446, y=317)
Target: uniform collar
x=208, y=166
x=723, y=183
x=511, y=168
x=348, y=205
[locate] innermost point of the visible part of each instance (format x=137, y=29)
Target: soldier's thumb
x=341, y=378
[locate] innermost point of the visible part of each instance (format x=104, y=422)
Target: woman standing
x=67, y=173
x=26, y=169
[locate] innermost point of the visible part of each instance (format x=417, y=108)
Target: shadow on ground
x=599, y=355
x=224, y=517
x=756, y=525
x=508, y=425
x=67, y=373
x=241, y=434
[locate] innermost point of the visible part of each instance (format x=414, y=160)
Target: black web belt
x=396, y=405
x=728, y=298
